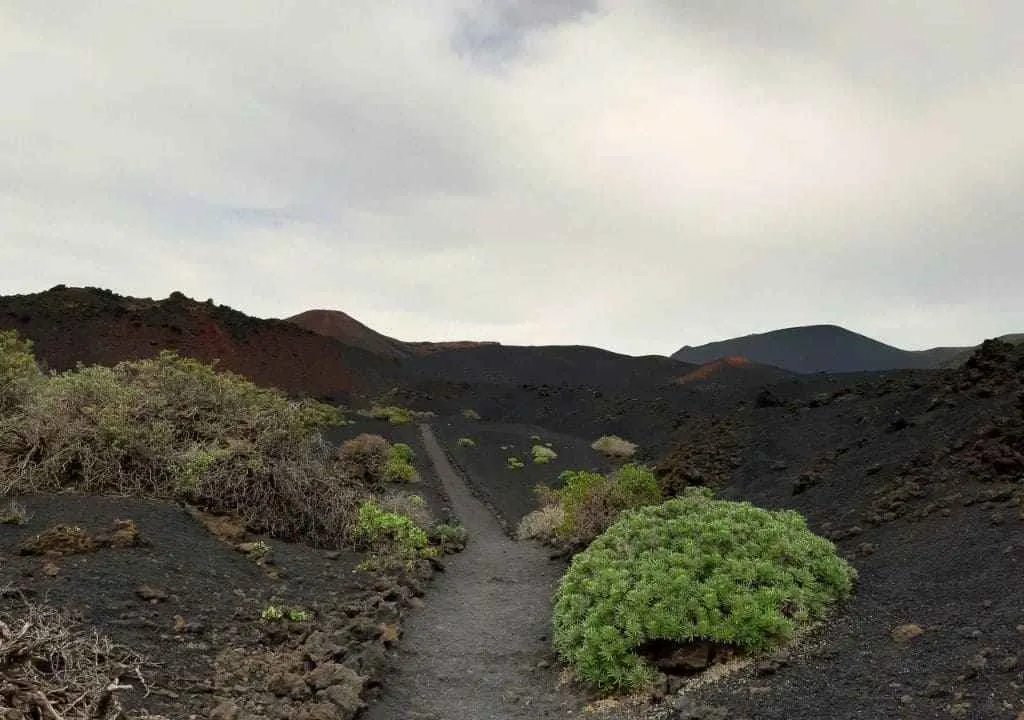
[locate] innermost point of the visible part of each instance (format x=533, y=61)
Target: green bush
x=513, y=463
x=591, y=502
x=399, y=467
x=470, y=414
x=542, y=455
x=465, y=442
x=19, y=373
x=173, y=427
x=691, y=569
x=394, y=415
x=614, y=446
x=402, y=451
x=392, y=539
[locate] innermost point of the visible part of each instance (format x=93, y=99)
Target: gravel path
x=473, y=651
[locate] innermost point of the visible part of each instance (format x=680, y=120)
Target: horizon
x=381, y=331
x=635, y=176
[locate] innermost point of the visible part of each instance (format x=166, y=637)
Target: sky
x=632, y=174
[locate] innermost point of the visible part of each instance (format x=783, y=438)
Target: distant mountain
x=68, y=325
x=822, y=348
x=346, y=329
x=343, y=327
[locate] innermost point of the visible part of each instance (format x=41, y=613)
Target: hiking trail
x=480, y=646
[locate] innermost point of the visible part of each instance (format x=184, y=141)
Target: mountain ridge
x=824, y=348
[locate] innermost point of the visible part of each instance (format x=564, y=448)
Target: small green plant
x=398, y=467
x=393, y=414
x=542, y=454
x=259, y=549
x=403, y=451
x=614, y=446
x=274, y=613
x=514, y=463
x=393, y=539
x=465, y=442
x=14, y=514
x=692, y=569
x=449, y=536
x=470, y=414
x=535, y=438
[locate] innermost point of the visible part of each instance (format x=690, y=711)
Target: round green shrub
x=403, y=452
x=692, y=568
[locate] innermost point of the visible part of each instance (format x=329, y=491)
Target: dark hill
x=346, y=329
x=818, y=348
x=69, y=325
x=544, y=365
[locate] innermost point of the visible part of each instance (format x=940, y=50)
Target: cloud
x=636, y=175
x=493, y=32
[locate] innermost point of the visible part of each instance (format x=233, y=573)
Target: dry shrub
x=14, y=514
x=59, y=540
x=614, y=446
x=364, y=458
x=51, y=669
x=588, y=503
x=411, y=505
x=175, y=428
x=541, y=524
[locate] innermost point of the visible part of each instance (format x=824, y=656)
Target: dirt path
x=475, y=649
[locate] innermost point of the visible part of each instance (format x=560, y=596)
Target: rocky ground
x=919, y=479
x=509, y=489
x=190, y=593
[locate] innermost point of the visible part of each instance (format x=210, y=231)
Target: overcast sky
x=632, y=174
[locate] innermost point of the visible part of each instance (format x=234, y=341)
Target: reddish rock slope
x=89, y=325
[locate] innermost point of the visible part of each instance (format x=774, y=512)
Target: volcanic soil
x=918, y=476
x=187, y=591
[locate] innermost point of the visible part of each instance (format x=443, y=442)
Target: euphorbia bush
x=692, y=568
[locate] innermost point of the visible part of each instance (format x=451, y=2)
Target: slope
x=916, y=476
x=70, y=325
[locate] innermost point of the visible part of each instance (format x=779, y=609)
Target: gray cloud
x=914, y=50
x=637, y=175
x=493, y=32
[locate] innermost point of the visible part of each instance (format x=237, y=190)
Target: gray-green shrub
x=692, y=568
x=173, y=427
